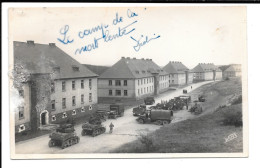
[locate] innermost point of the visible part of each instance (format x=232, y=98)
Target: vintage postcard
x=128, y=82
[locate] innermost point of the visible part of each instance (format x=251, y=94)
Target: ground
x=198, y=134
x=126, y=130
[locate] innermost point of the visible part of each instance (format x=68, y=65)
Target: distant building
x=132, y=79
x=59, y=88
x=206, y=71
x=179, y=74
x=232, y=70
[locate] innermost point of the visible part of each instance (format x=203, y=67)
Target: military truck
x=149, y=101
x=201, y=98
x=196, y=108
x=140, y=110
x=116, y=110
x=64, y=136
x=92, y=129
x=157, y=116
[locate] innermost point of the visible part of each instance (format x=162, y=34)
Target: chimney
x=123, y=57
x=128, y=58
x=142, y=58
x=30, y=42
x=134, y=58
x=52, y=44
x=151, y=59
x=147, y=59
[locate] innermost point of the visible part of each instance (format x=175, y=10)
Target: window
x=141, y=81
x=144, y=81
x=110, y=93
x=21, y=113
x=138, y=82
x=141, y=90
x=64, y=115
x=152, y=79
x=82, y=84
x=73, y=100
x=125, y=82
x=73, y=85
x=90, y=107
x=90, y=97
x=75, y=68
x=53, y=118
x=147, y=80
x=138, y=92
x=82, y=99
x=147, y=90
x=110, y=82
x=118, y=92
x=125, y=92
x=53, y=105
x=21, y=93
x=63, y=103
x=63, y=86
x=118, y=83
x=21, y=128
x=74, y=112
x=144, y=90
x=82, y=109
x=52, y=87
x=90, y=83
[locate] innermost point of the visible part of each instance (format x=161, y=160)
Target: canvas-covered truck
x=140, y=110
x=157, y=116
x=64, y=136
x=116, y=110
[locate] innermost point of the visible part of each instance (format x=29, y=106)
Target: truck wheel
x=165, y=122
x=51, y=143
x=141, y=121
x=158, y=122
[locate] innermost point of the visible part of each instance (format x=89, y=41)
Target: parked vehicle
x=201, y=98
x=149, y=101
x=185, y=97
x=64, y=136
x=157, y=116
x=140, y=110
x=184, y=91
x=116, y=110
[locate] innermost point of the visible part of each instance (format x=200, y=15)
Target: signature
x=230, y=137
x=143, y=41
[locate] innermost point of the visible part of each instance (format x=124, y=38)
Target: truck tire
x=51, y=143
x=158, y=122
x=165, y=122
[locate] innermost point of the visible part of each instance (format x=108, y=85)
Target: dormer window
x=143, y=72
x=137, y=72
x=75, y=68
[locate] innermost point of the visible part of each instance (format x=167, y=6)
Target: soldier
x=111, y=126
x=187, y=104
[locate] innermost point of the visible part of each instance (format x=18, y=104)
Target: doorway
x=44, y=118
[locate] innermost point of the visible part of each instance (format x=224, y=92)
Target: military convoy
x=110, y=110
x=64, y=136
x=157, y=116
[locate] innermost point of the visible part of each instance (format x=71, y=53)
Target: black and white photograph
x=128, y=82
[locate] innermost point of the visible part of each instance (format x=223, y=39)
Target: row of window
x=163, y=78
x=117, y=82
x=145, y=80
x=145, y=90
x=117, y=92
x=163, y=85
x=73, y=101
x=73, y=85
x=74, y=112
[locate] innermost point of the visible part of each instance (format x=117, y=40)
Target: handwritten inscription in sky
x=102, y=33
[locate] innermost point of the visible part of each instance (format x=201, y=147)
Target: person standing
x=111, y=126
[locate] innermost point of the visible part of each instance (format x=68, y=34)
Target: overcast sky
x=191, y=35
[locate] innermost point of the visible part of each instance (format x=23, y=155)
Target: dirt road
x=126, y=130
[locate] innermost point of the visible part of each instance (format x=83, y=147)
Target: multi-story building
x=179, y=74
x=132, y=79
x=206, y=71
x=59, y=88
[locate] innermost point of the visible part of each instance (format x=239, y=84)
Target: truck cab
x=149, y=100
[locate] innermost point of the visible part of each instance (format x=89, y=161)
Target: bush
x=233, y=118
x=237, y=100
x=147, y=141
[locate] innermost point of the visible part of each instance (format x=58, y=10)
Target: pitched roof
x=132, y=68
x=223, y=67
x=45, y=58
x=230, y=69
x=175, y=67
x=96, y=68
x=205, y=67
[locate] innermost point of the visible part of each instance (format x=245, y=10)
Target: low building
x=206, y=71
x=132, y=79
x=179, y=74
x=232, y=70
x=59, y=88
